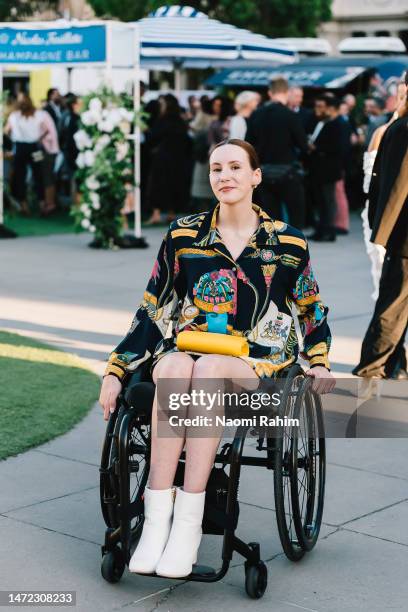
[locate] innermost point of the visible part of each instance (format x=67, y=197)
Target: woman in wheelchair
x=232, y=271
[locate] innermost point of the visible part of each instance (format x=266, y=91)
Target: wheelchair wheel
x=283, y=468
x=138, y=471
x=134, y=469
x=256, y=580
x=113, y=565
x=308, y=467
x=108, y=494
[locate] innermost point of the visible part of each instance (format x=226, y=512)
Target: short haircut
x=278, y=85
x=329, y=99
x=50, y=92
x=379, y=102
x=244, y=98
x=332, y=102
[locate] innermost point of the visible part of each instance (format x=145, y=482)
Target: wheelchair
x=298, y=463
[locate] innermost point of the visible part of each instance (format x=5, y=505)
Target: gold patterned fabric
x=196, y=284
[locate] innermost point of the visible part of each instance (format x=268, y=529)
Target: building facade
x=366, y=18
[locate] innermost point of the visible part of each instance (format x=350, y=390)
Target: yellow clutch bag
x=209, y=342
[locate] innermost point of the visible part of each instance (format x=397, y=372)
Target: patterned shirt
x=196, y=284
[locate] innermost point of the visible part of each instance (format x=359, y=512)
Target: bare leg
x=49, y=203
x=25, y=210
x=200, y=452
x=165, y=451
x=155, y=218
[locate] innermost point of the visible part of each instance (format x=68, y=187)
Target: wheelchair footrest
x=203, y=570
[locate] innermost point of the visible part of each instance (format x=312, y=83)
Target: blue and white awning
x=320, y=72
x=181, y=33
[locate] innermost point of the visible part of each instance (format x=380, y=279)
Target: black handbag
x=215, y=518
x=274, y=174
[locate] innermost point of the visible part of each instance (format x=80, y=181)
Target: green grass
x=44, y=392
x=60, y=223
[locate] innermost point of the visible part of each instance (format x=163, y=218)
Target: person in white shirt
x=51, y=148
x=26, y=128
x=245, y=104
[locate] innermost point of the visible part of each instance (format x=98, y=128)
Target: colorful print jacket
x=196, y=285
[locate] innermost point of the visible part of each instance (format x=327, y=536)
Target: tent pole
x=4, y=232
x=137, y=241
x=136, y=155
x=177, y=79
x=1, y=150
x=108, y=67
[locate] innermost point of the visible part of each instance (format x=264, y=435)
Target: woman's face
x=231, y=176
x=162, y=105
x=254, y=103
x=216, y=106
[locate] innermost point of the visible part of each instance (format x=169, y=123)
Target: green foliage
x=14, y=10
x=125, y=10
x=276, y=18
x=105, y=163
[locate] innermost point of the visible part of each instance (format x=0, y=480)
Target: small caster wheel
x=256, y=580
x=113, y=565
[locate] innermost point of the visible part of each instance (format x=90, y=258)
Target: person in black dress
x=169, y=180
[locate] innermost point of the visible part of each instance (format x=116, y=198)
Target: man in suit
x=382, y=352
x=326, y=165
x=295, y=101
x=277, y=134
x=53, y=106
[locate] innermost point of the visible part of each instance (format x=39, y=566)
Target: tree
x=125, y=10
x=14, y=10
x=270, y=17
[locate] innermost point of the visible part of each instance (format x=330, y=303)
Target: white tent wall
x=82, y=81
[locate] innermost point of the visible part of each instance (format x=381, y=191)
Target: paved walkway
x=57, y=290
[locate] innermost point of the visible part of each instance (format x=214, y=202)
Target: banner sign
x=319, y=76
x=73, y=45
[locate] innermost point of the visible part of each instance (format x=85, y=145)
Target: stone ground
x=51, y=528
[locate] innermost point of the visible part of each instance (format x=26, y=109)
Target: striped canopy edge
x=178, y=11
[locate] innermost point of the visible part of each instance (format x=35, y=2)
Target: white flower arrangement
x=82, y=140
x=89, y=118
x=106, y=125
x=92, y=182
x=95, y=106
x=101, y=143
x=122, y=149
x=103, y=160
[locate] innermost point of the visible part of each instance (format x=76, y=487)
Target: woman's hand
x=111, y=387
x=324, y=381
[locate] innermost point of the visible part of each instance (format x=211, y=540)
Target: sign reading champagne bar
x=57, y=45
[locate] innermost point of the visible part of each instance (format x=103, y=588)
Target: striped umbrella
x=181, y=36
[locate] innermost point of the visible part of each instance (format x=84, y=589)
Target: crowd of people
x=312, y=158
x=41, y=140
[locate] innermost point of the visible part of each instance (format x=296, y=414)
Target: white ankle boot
x=185, y=535
x=158, y=511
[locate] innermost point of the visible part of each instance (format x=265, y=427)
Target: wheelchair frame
x=298, y=522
